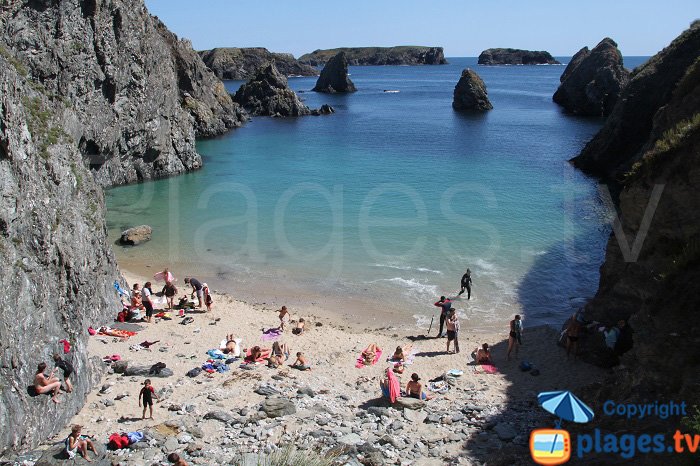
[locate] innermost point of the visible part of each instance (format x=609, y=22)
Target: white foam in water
x=406, y=267
x=412, y=285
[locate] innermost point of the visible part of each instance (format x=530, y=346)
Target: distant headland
x=242, y=63
x=516, y=57
x=400, y=55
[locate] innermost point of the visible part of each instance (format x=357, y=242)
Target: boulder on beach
x=136, y=235
x=334, y=76
x=593, y=80
x=470, y=93
x=278, y=407
x=267, y=93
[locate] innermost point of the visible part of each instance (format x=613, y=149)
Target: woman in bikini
x=369, y=355
x=483, y=355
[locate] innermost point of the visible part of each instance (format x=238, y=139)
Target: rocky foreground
x=334, y=409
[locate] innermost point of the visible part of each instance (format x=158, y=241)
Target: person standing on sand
x=573, y=332
x=452, y=330
x=284, y=317
x=446, y=305
x=466, y=284
x=147, y=393
x=146, y=293
x=44, y=384
x=207, y=297
x=170, y=291
x=197, y=289
x=515, y=336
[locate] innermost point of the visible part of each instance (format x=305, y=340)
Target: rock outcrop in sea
x=649, y=149
x=470, y=93
x=359, y=56
x=92, y=93
x=243, y=63
x=516, y=57
x=334, y=76
x=267, y=93
x=140, y=94
x=593, y=80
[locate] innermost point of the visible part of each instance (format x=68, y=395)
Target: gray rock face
x=277, y=407
x=505, y=432
x=470, y=93
x=334, y=76
x=243, y=63
x=268, y=94
x=136, y=235
x=593, y=81
x=359, y=56
x=139, y=95
x=55, y=257
x=57, y=456
x=516, y=57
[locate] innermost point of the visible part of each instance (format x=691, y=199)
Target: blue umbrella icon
x=565, y=405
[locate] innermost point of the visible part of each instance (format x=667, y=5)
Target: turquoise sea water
x=377, y=210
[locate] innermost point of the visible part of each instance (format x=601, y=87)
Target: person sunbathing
x=257, y=354
x=44, y=384
x=401, y=354
x=301, y=363
x=369, y=355
x=280, y=352
x=414, y=388
x=231, y=345
x=482, y=355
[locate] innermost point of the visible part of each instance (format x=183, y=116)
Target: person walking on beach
x=146, y=293
x=466, y=284
x=445, y=305
x=515, y=336
x=147, y=393
x=44, y=384
x=67, y=369
x=197, y=289
x=452, y=330
x=283, y=316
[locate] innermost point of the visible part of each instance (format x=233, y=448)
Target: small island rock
x=334, y=76
x=136, y=235
x=268, y=94
x=360, y=56
x=516, y=57
x=593, y=81
x=470, y=93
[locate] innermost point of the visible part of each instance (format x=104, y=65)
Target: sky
x=462, y=27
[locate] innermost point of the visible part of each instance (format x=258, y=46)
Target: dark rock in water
x=592, y=82
x=324, y=110
x=278, y=407
x=139, y=95
x=334, y=76
x=470, y=93
x=136, y=235
x=516, y=57
x=359, y=56
x=268, y=94
x=57, y=456
x=243, y=63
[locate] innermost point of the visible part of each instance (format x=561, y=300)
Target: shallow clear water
x=381, y=207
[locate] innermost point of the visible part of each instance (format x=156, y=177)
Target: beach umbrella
x=565, y=405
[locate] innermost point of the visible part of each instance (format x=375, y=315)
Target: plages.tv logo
x=553, y=446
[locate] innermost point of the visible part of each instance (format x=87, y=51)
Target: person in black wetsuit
x=446, y=305
x=147, y=393
x=466, y=284
x=67, y=369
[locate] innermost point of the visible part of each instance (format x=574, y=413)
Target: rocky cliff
x=470, y=93
x=267, y=93
x=593, y=80
x=658, y=201
x=56, y=267
x=140, y=94
x=358, y=56
x=242, y=63
x=334, y=76
x=515, y=57
x=619, y=144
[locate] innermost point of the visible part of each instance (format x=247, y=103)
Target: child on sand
x=301, y=363
x=284, y=317
x=147, y=393
x=44, y=384
x=175, y=459
x=207, y=297
x=67, y=369
x=300, y=327
x=452, y=330
x=75, y=443
x=170, y=291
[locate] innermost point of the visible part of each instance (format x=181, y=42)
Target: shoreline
x=334, y=402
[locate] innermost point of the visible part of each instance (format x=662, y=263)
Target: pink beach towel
x=394, y=385
x=486, y=369
x=360, y=361
x=162, y=277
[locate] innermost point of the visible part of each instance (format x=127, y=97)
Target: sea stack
x=470, y=93
x=593, y=81
x=267, y=93
x=334, y=76
x=516, y=57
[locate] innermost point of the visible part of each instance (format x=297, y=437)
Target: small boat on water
x=391, y=91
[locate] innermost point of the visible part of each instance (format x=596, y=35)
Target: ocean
x=375, y=211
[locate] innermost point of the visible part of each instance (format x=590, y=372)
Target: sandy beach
x=447, y=430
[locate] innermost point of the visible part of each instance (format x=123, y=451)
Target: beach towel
x=360, y=361
x=394, y=385
x=271, y=334
x=216, y=354
x=486, y=369
x=121, y=290
x=134, y=437
x=164, y=278
x=265, y=354
x=409, y=359
x=112, y=332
